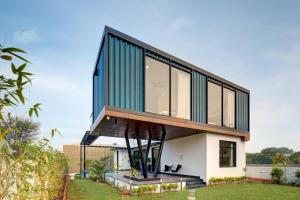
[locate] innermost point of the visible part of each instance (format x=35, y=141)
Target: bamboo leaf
x=20, y=57
x=20, y=95
x=13, y=49
x=13, y=68
x=6, y=57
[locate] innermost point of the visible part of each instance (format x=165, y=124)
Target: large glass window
x=214, y=104
x=180, y=94
x=228, y=108
x=227, y=154
x=157, y=87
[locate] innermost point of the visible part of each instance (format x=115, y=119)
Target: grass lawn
x=254, y=191
x=86, y=189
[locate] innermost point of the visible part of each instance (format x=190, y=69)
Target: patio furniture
x=168, y=168
x=177, y=169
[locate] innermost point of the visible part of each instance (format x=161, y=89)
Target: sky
x=255, y=44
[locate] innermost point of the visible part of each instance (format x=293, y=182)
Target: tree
x=274, y=150
x=280, y=160
x=295, y=158
x=25, y=129
x=27, y=170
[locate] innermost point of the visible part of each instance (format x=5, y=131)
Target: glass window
x=180, y=93
x=157, y=87
x=214, y=104
x=228, y=108
x=227, y=154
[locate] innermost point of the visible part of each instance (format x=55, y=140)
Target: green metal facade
x=199, y=97
x=242, y=111
x=99, y=85
x=118, y=81
x=125, y=75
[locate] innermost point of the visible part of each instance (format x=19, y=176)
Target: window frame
x=234, y=91
x=234, y=154
x=221, y=86
x=170, y=87
x=190, y=78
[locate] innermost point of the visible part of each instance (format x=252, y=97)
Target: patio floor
x=166, y=178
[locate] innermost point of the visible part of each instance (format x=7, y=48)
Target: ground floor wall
x=190, y=152
x=199, y=156
x=121, y=159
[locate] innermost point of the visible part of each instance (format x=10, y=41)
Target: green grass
x=86, y=189
x=254, y=191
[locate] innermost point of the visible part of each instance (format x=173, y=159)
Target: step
x=195, y=186
x=194, y=180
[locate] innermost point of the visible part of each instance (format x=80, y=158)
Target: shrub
x=297, y=173
x=165, y=186
x=276, y=174
x=227, y=180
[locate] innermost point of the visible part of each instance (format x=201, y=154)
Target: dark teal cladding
x=125, y=75
x=199, y=100
x=99, y=86
x=242, y=111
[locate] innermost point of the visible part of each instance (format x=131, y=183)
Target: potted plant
x=276, y=174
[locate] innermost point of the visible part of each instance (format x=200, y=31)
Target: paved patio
x=165, y=178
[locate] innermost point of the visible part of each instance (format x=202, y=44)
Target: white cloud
x=26, y=37
x=61, y=84
x=180, y=23
x=290, y=56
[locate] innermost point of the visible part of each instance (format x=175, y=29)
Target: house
x=200, y=119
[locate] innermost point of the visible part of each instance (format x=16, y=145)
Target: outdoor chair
x=177, y=169
x=168, y=168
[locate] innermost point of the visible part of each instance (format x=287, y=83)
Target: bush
x=227, y=180
x=276, y=174
x=297, y=173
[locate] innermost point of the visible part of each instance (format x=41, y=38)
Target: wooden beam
x=161, y=146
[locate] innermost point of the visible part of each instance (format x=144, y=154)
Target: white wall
x=123, y=159
x=213, y=169
x=263, y=172
x=189, y=151
x=199, y=156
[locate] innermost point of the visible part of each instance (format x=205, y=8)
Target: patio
x=162, y=178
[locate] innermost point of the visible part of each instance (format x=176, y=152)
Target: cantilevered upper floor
x=137, y=85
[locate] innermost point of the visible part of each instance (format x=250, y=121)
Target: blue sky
x=255, y=44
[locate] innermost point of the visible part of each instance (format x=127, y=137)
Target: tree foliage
x=265, y=155
x=29, y=168
x=295, y=158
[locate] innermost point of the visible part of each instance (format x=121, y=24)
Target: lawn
x=254, y=191
x=86, y=189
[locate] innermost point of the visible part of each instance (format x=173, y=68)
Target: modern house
x=141, y=92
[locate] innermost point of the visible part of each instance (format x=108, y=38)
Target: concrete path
x=192, y=195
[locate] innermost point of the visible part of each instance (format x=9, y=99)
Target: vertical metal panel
x=126, y=75
x=242, y=111
x=99, y=86
x=199, y=93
